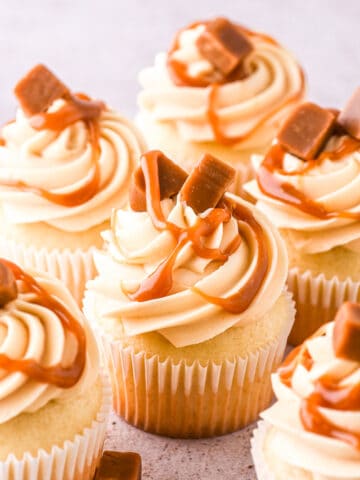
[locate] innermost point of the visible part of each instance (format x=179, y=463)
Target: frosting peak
x=67, y=166
x=184, y=89
x=188, y=275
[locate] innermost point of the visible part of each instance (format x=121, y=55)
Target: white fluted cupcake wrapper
x=257, y=452
x=317, y=299
x=196, y=400
x=74, y=268
x=75, y=460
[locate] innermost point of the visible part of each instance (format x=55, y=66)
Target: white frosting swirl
x=61, y=162
x=257, y=103
x=333, y=183
x=31, y=331
x=136, y=248
x=324, y=457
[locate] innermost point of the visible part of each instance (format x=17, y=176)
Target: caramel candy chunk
x=223, y=45
x=38, y=90
x=306, y=130
x=346, y=336
x=207, y=183
x=8, y=288
x=119, y=466
x=171, y=179
x=349, y=118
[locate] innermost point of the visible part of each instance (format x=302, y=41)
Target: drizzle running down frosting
x=316, y=419
x=67, y=166
x=312, y=197
x=244, y=109
x=188, y=276
x=46, y=352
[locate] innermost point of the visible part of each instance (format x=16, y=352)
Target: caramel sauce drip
x=58, y=375
x=287, y=193
x=178, y=73
x=160, y=282
x=328, y=393
x=215, y=121
x=178, y=70
x=77, y=108
x=240, y=301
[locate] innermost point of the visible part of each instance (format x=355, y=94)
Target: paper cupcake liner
x=257, y=451
x=75, y=460
x=317, y=300
x=202, y=399
x=74, y=268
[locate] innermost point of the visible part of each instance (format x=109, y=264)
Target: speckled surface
x=221, y=458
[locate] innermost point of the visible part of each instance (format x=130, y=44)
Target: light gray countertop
x=98, y=47
x=220, y=458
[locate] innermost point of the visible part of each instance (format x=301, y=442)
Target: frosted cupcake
x=220, y=89
x=190, y=302
x=313, y=430
x=65, y=162
x=53, y=401
x=308, y=185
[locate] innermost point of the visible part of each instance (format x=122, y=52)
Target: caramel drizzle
x=77, y=108
x=215, y=120
x=178, y=74
x=328, y=393
x=160, y=282
x=287, y=193
x=58, y=375
x=178, y=70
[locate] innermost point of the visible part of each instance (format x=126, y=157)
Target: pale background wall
x=99, y=46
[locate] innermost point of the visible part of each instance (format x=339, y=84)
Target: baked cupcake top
x=66, y=159
x=222, y=82
x=309, y=181
x=317, y=414
x=47, y=350
x=187, y=260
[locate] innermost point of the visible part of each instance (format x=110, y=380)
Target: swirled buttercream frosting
x=316, y=419
x=243, y=108
x=316, y=199
x=67, y=166
x=47, y=350
x=186, y=274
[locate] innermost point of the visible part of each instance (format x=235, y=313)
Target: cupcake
x=220, y=89
x=53, y=400
x=65, y=162
x=190, y=302
x=313, y=430
x=308, y=185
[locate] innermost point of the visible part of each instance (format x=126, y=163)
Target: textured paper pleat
x=257, y=451
x=317, y=300
x=75, y=460
x=197, y=400
x=74, y=268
